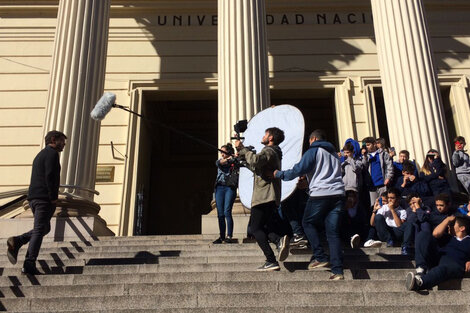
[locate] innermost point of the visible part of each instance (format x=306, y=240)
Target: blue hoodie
x=323, y=169
x=357, y=149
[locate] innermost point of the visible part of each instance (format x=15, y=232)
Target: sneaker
x=269, y=266
x=413, y=281
x=30, y=269
x=355, y=241
x=298, y=240
x=283, y=248
x=371, y=243
x=314, y=264
x=218, y=241
x=229, y=240
x=13, y=248
x=390, y=243
x=404, y=251
x=337, y=277
x=420, y=271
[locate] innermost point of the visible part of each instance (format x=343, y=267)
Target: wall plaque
x=105, y=174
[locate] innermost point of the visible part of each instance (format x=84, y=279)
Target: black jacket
x=437, y=185
x=45, y=176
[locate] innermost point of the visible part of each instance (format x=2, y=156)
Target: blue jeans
x=224, y=198
x=325, y=212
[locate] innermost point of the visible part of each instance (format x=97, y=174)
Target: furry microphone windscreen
x=103, y=106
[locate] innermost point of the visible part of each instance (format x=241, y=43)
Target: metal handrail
x=13, y=193
x=80, y=188
x=12, y=202
x=21, y=192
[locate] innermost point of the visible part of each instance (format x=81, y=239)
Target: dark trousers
x=43, y=211
x=353, y=225
x=260, y=219
x=325, y=213
x=404, y=233
x=428, y=257
x=293, y=209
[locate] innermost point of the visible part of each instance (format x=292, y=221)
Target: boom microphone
x=108, y=101
x=103, y=106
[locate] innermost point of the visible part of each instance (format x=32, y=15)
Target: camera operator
x=266, y=194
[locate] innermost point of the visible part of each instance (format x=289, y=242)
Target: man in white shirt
x=389, y=219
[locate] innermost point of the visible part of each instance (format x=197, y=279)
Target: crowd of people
x=366, y=195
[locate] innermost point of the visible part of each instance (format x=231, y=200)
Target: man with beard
x=42, y=196
x=266, y=195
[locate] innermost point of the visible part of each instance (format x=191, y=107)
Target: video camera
x=240, y=127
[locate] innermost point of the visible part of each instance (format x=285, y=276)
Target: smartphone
x=380, y=201
x=392, y=149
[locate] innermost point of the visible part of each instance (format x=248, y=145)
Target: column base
x=74, y=218
x=241, y=217
x=79, y=228
x=210, y=225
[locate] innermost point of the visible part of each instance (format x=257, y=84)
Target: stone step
x=52, y=254
x=175, y=277
x=144, y=241
x=238, y=300
x=137, y=240
x=60, y=259
x=133, y=265
x=180, y=248
x=294, y=309
x=159, y=288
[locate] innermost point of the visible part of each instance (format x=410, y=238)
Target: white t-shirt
x=385, y=211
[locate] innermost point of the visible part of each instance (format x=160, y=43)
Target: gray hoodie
x=351, y=170
x=461, y=162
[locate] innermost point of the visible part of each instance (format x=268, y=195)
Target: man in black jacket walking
x=42, y=196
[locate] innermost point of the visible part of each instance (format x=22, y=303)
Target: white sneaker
x=355, y=241
x=372, y=244
x=420, y=271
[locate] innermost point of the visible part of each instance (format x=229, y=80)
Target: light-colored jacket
x=263, y=164
x=351, y=170
x=461, y=162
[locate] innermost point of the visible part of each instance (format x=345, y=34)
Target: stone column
x=459, y=101
x=243, y=71
x=411, y=91
x=77, y=82
x=343, y=103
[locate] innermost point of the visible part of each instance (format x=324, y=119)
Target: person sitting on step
x=441, y=264
x=371, y=241
x=465, y=209
x=389, y=221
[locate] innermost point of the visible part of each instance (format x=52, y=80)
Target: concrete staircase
x=190, y=274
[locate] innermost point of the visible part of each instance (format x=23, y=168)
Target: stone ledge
x=210, y=225
x=80, y=227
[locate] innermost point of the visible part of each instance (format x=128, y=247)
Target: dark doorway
x=317, y=107
x=448, y=112
x=381, y=115
x=181, y=171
